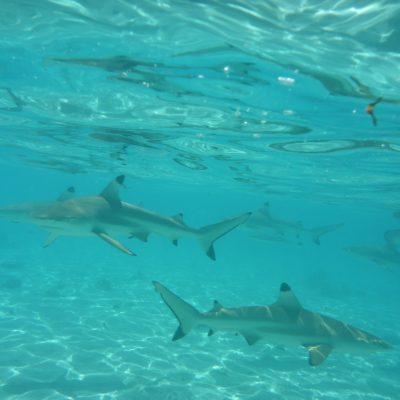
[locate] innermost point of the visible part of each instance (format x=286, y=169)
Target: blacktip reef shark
x=392, y=238
x=386, y=256
x=106, y=216
x=265, y=226
x=284, y=322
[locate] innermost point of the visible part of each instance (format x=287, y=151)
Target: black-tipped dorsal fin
x=216, y=306
x=111, y=191
x=67, y=194
x=287, y=298
x=178, y=218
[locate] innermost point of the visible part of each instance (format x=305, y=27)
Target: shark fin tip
x=120, y=179
x=179, y=334
x=211, y=253
x=285, y=287
x=317, y=354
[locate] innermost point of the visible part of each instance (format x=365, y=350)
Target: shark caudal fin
x=323, y=230
x=209, y=234
x=186, y=314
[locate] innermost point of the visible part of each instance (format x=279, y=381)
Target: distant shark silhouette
x=105, y=216
x=384, y=256
x=392, y=238
x=283, y=322
x=264, y=226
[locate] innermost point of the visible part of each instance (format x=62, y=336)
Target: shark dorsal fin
x=67, y=194
x=111, y=191
x=178, y=218
x=287, y=298
x=216, y=306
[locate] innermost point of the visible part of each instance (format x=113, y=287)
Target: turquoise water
x=210, y=109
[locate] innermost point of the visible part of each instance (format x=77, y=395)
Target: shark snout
x=381, y=345
x=385, y=345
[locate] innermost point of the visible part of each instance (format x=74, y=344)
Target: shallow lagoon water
x=211, y=110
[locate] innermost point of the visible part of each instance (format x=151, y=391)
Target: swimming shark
x=283, y=322
x=387, y=256
x=392, y=238
x=265, y=226
x=106, y=216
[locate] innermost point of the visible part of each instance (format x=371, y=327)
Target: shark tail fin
x=323, y=230
x=210, y=233
x=186, y=314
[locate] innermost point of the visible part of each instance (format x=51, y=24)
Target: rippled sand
x=68, y=332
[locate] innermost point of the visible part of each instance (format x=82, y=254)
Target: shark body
x=265, y=226
x=283, y=322
x=392, y=238
x=387, y=257
x=106, y=216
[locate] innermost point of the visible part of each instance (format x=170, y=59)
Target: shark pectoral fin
x=251, y=338
x=210, y=332
x=318, y=353
x=50, y=239
x=118, y=245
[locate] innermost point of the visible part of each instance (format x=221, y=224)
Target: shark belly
x=343, y=339
x=269, y=331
